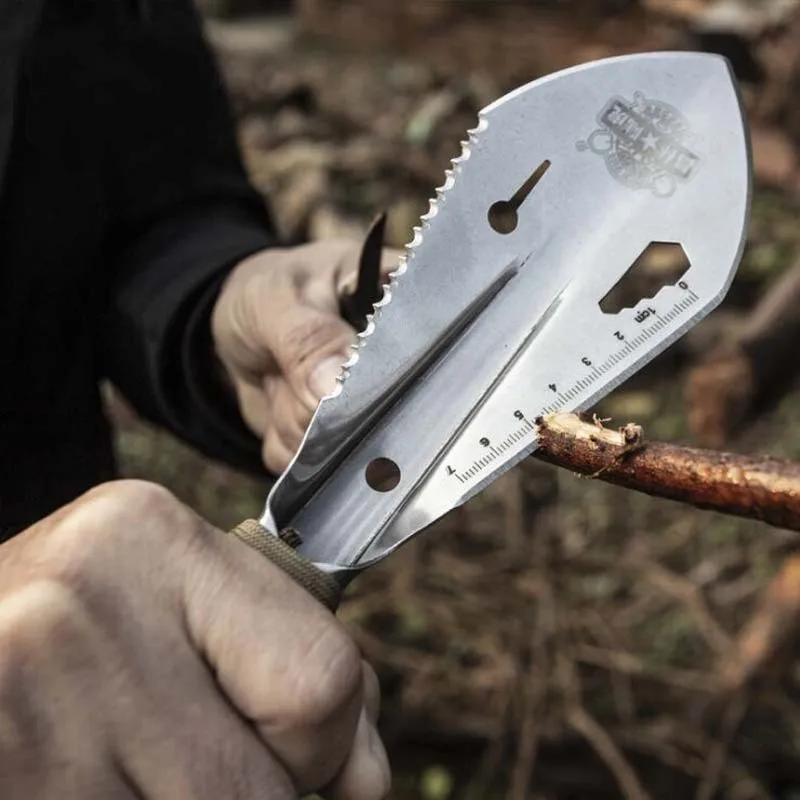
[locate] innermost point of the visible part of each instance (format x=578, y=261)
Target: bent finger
x=250, y=619
x=366, y=774
x=288, y=414
x=191, y=743
x=310, y=347
x=275, y=453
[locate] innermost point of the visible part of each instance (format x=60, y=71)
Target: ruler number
x=586, y=362
x=552, y=387
x=683, y=285
x=619, y=335
x=520, y=416
x=645, y=314
x=485, y=442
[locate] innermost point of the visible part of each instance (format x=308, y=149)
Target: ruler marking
x=581, y=385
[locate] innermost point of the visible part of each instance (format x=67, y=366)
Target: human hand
x=277, y=331
x=144, y=654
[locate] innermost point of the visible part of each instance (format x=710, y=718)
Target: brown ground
x=556, y=638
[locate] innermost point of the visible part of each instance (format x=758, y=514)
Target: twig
x=535, y=675
x=632, y=665
x=768, y=634
x=755, y=487
x=596, y=736
x=715, y=763
x=605, y=748
x=690, y=596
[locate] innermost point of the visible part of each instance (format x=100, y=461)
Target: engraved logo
x=645, y=144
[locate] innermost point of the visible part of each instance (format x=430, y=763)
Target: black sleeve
x=182, y=214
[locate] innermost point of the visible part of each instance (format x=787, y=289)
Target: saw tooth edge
x=436, y=202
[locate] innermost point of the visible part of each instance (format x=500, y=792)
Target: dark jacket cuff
x=159, y=349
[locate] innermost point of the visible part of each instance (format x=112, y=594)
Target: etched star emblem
x=650, y=141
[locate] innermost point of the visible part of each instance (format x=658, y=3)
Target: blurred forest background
x=557, y=637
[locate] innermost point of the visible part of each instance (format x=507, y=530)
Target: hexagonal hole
x=660, y=264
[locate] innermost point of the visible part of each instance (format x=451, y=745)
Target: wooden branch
x=762, y=488
x=725, y=390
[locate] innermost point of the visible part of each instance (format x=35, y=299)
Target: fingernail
x=323, y=379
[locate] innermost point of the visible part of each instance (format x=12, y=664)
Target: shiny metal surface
x=493, y=318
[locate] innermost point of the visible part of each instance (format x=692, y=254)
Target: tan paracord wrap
x=319, y=584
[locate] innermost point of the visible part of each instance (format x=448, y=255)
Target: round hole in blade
x=503, y=217
x=382, y=474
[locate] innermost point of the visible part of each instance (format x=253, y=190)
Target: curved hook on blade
x=355, y=307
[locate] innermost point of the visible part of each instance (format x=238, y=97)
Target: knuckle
x=121, y=506
x=115, y=521
x=38, y=619
x=134, y=497
x=330, y=682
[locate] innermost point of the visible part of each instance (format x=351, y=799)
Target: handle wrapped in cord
x=280, y=551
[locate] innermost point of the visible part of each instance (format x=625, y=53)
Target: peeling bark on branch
x=760, y=488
